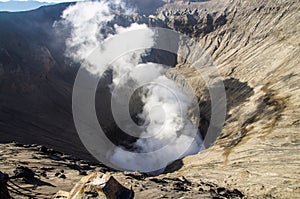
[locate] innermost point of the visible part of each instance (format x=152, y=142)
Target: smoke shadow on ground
x=237, y=92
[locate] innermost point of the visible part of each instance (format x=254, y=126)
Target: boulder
x=98, y=186
x=3, y=186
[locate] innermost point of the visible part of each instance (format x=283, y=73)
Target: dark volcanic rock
x=23, y=172
x=3, y=186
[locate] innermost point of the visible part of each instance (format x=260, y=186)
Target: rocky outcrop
x=97, y=185
x=51, y=172
x=3, y=186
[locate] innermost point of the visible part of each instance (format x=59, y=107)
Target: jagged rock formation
x=3, y=186
x=39, y=172
x=98, y=186
x=254, y=44
x=256, y=49
x=56, y=174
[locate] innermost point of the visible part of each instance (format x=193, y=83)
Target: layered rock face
x=254, y=44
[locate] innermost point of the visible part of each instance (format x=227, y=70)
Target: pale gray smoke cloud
x=86, y=20
x=167, y=106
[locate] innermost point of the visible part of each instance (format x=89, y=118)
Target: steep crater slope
x=255, y=46
x=36, y=81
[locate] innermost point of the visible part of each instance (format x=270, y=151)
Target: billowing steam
x=166, y=112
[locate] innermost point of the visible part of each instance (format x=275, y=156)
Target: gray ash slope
x=26, y=60
x=36, y=80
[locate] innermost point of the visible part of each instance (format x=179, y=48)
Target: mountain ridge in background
x=16, y=6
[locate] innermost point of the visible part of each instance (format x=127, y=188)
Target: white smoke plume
x=166, y=110
x=86, y=20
